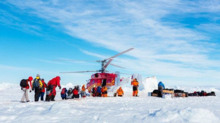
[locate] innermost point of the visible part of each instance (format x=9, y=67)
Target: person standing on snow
x=37, y=86
x=135, y=87
x=83, y=91
x=160, y=89
x=120, y=92
x=25, y=86
x=52, y=84
x=43, y=90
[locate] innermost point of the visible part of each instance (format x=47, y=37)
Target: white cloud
x=165, y=48
x=53, y=62
x=6, y=67
x=209, y=27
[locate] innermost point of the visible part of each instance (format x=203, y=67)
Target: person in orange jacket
x=104, y=91
x=83, y=91
x=135, y=87
x=120, y=92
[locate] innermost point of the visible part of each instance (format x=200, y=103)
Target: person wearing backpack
x=63, y=93
x=52, y=84
x=37, y=87
x=135, y=87
x=120, y=92
x=25, y=86
x=42, y=92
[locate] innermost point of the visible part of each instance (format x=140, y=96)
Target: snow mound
x=150, y=84
x=186, y=115
x=69, y=85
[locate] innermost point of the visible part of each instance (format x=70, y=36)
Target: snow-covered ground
x=110, y=110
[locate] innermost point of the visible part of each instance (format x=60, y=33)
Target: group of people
x=99, y=91
x=103, y=91
x=95, y=92
x=39, y=86
x=73, y=93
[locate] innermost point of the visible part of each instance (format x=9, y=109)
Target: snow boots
x=52, y=98
x=47, y=98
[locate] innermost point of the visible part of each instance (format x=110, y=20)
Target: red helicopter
x=102, y=77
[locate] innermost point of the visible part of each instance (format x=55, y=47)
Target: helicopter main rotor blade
x=119, y=54
x=79, y=72
x=75, y=60
x=106, y=65
x=116, y=65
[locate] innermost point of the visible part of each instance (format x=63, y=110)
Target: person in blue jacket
x=161, y=84
x=99, y=91
x=160, y=89
x=63, y=93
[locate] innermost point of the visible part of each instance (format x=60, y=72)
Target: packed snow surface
x=111, y=109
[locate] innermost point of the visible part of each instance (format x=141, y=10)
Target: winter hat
x=30, y=78
x=38, y=75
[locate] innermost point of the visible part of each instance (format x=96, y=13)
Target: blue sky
x=177, y=41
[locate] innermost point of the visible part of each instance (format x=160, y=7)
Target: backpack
x=63, y=91
x=37, y=84
x=23, y=83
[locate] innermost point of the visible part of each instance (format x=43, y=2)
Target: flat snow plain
x=142, y=109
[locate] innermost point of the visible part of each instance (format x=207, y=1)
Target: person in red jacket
x=26, y=88
x=52, y=84
x=43, y=90
x=76, y=92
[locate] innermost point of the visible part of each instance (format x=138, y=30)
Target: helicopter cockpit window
x=96, y=75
